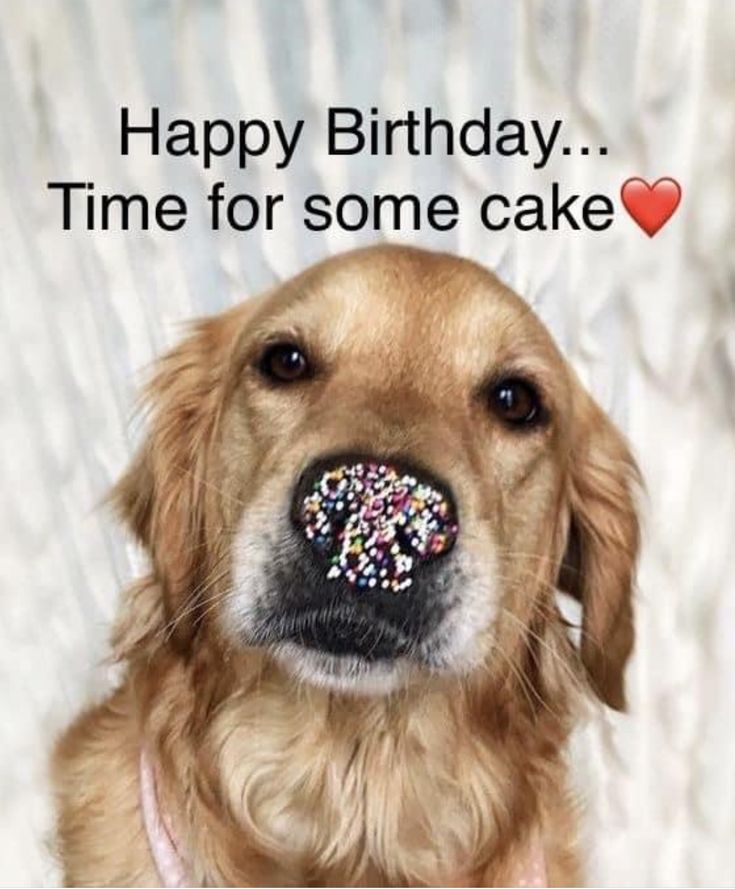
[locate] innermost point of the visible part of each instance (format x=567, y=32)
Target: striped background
x=649, y=324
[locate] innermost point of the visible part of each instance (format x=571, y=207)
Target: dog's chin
x=348, y=673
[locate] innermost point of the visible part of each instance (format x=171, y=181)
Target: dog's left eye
x=516, y=402
x=284, y=363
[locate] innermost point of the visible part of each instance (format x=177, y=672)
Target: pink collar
x=532, y=870
x=161, y=838
x=172, y=870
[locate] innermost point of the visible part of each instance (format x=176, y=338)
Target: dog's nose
x=374, y=522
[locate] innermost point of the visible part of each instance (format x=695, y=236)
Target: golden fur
x=269, y=780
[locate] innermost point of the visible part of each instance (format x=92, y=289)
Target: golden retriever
x=312, y=712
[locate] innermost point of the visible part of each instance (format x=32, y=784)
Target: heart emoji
x=651, y=206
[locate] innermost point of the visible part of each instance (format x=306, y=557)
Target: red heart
x=651, y=205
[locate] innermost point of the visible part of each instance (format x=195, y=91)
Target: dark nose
x=373, y=523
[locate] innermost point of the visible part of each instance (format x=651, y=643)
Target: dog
x=360, y=494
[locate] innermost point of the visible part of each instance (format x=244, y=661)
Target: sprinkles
x=373, y=524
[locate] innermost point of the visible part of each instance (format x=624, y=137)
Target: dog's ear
x=602, y=547
x=166, y=496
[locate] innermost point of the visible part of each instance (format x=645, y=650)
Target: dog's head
x=383, y=469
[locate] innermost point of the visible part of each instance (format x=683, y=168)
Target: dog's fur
x=441, y=777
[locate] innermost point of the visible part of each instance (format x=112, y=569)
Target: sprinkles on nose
x=374, y=524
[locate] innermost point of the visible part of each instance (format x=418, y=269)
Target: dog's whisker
x=524, y=554
x=208, y=484
x=553, y=654
x=524, y=682
x=167, y=631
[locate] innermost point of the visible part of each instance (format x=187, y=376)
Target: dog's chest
x=383, y=804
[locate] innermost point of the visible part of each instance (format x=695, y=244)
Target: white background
x=649, y=324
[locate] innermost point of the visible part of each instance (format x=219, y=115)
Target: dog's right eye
x=284, y=363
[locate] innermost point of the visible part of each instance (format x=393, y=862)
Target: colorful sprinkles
x=374, y=524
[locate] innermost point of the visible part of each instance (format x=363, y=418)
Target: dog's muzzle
x=370, y=577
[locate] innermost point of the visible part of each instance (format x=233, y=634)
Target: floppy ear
x=164, y=496
x=602, y=547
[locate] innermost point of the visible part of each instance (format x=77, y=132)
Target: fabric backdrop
x=648, y=323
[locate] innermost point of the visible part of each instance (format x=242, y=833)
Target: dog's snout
x=374, y=522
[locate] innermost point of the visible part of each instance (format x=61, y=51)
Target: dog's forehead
x=415, y=304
